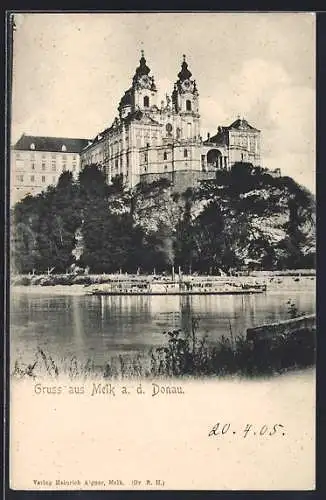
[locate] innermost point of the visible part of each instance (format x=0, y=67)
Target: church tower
x=145, y=90
x=186, y=104
x=142, y=95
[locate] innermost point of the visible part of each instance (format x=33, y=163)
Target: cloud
x=71, y=71
x=292, y=111
x=300, y=167
x=246, y=91
x=264, y=93
x=255, y=83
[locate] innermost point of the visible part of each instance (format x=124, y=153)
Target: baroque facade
x=149, y=140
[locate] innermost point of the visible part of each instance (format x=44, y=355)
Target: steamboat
x=180, y=286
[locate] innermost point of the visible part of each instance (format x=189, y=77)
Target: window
x=43, y=157
x=165, y=156
x=64, y=168
x=54, y=167
x=185, y=153
x=43, y=166
x=32, y=146
x=188, y=105
x=32, y=178
x=74, y=158
x=53, y=157
x=63, y=148
x=146, y=101
x=145, y=157
x=169, y=128
x=165, y=167
x=43, y=178
x=20, y=178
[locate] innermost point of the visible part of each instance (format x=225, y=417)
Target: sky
x=70, y=71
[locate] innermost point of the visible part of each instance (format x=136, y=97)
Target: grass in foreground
x=187, y=354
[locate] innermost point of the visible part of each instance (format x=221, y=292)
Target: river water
x=97, y=327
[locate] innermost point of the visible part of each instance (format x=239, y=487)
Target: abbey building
x=150, y=139
x=146, y=141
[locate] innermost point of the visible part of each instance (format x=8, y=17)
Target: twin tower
x=142, y=95
x=149, y=140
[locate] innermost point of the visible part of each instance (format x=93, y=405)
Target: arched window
x=169, y=128
x=146, y=101
x=188, y=105
x=64, y=148
x=32, y=146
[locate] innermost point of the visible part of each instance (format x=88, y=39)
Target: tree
x=185, y=242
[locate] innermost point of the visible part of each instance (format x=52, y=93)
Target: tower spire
x=142, y=69
x=184, y=74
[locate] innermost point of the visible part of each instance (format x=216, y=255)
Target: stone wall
x=181, y=179
x=286, y=327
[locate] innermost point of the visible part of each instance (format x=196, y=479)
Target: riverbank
x=82, y=285
x=75, y=290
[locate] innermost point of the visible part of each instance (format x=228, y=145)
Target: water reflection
x=95, y=326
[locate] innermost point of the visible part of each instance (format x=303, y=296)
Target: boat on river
x=176, y=287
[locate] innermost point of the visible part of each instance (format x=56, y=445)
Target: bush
x=185, y=354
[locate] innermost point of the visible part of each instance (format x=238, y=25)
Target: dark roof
x=98, y=138
x=127, y=99
x=142, y=69
x=50, y=144
x=241, y=123
x=219, y=138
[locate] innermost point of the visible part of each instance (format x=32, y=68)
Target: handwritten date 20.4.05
x=249, y=430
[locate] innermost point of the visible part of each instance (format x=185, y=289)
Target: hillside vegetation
x=243, y=218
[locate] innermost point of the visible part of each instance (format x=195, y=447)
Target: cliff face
x=244, y=217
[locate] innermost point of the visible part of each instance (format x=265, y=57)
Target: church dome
x=142, y=69
x=126, y=100
x=184, y=74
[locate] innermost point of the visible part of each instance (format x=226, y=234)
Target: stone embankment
x=283, y=328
